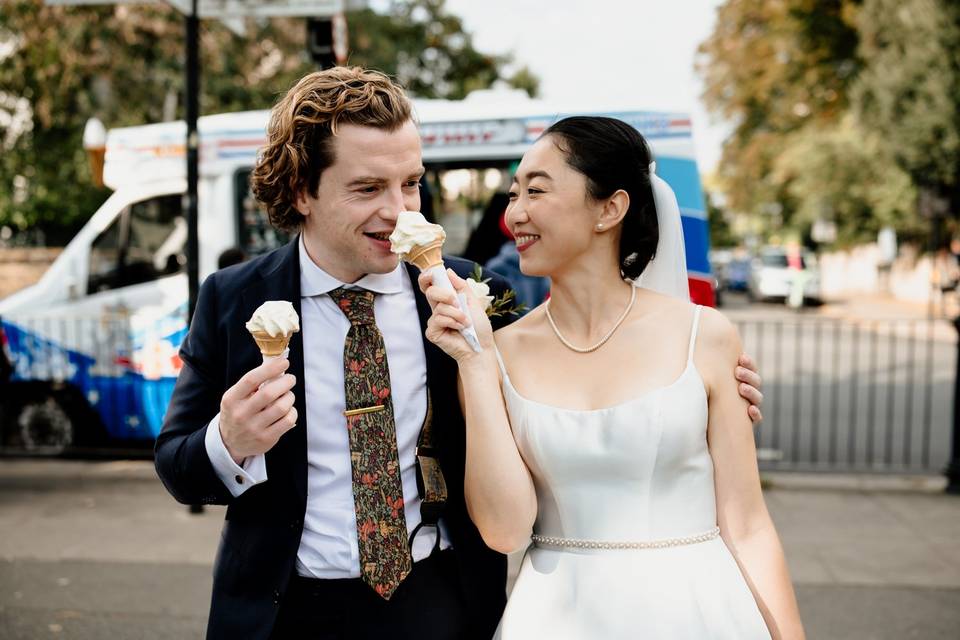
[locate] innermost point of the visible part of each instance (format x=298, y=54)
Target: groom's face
x=374, y=176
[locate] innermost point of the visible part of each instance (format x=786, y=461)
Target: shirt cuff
x=235, y=477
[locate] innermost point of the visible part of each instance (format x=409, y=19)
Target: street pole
x=190, y=200
x=953, y=467
x=192, y=112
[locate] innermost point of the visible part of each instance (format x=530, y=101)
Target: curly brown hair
x=302, y=125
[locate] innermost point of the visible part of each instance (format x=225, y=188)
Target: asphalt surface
x=95, y=550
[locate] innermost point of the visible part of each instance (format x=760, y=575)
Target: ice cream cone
x=96, y=156
x=272, y=346
x=426, y=256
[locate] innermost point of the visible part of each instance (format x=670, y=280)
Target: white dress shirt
x=328, y=546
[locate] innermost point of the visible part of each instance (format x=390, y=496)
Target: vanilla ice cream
x=272, y=325
x=275, y=318
x=412, y=231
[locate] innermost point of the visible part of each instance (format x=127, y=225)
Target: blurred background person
x=489, y=236
x=230, y=257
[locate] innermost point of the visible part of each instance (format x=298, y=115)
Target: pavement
x=92, y=550
x=872, y=557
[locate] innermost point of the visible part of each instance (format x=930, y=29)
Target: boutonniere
x=494, y=307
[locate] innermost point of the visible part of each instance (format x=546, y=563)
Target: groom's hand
x=256, y=411
x=749, y=387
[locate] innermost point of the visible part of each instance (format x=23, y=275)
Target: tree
x=428, y=50
x=909, y=90
x=123, y=64
x=60, y=66
x=843, y=110
x=846, y=175
x=774, y=68
x=721, y=235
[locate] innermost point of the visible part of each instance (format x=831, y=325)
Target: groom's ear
x=614, y=209
x=302, y=202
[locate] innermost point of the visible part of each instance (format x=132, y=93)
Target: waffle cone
x=427, y=255
x=270, y=345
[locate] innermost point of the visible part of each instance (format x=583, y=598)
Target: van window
x=105, y=257
x=157, y=239
x=255, y=234
x=145, y=242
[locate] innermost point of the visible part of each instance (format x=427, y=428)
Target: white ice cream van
x=90, y=352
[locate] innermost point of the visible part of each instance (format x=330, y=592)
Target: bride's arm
x=499, y=491
x=745, y=524
x=498, y=488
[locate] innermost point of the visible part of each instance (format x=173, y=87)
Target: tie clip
x=359, y=412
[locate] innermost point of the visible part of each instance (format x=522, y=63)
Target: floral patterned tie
x=377, y=491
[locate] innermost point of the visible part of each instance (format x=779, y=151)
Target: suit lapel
x=281, y=281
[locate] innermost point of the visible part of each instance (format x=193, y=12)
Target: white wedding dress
x=637, y=472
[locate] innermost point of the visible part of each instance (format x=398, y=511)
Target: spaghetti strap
x=503, y=369
x=693, y=333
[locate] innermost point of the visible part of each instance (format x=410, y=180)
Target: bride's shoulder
x=521, y=328
x=717, y=334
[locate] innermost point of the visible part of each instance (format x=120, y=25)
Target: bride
x=606, y=424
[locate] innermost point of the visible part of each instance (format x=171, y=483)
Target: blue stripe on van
x=681, y=174
x=130, y=406
x=696, y=238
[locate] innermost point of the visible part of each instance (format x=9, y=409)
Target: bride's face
x=550, y=214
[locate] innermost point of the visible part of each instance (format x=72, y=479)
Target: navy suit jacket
x=261, y=532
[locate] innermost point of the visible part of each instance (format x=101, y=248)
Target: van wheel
x=45, y=427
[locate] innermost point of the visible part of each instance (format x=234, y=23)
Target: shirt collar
x=314, y=281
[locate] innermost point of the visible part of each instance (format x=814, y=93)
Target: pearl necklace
x=603, y=340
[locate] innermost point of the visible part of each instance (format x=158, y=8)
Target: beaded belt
x=600, y=544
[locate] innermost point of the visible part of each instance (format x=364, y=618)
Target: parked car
x=737, y=275
x=731, y=271
x=772, y=277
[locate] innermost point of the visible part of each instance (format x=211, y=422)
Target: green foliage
x=909, y=90
x=427, y=50
x=773, y=68
x=845, y=174
x=843, y=110
x=122, y=64
x=424, y=47
x=525, y=79
x=60, y=66
x=721, y=235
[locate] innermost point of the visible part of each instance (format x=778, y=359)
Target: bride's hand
x=443, y=328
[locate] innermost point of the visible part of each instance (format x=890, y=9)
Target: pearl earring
x=599, y=227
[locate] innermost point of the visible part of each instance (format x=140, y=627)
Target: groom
x=335, y=526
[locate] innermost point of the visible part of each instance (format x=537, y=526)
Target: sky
x=638, y=52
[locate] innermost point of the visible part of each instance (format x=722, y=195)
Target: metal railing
x=854, y=395
x=841, y=395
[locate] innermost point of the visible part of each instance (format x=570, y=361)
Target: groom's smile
x=374, y=176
